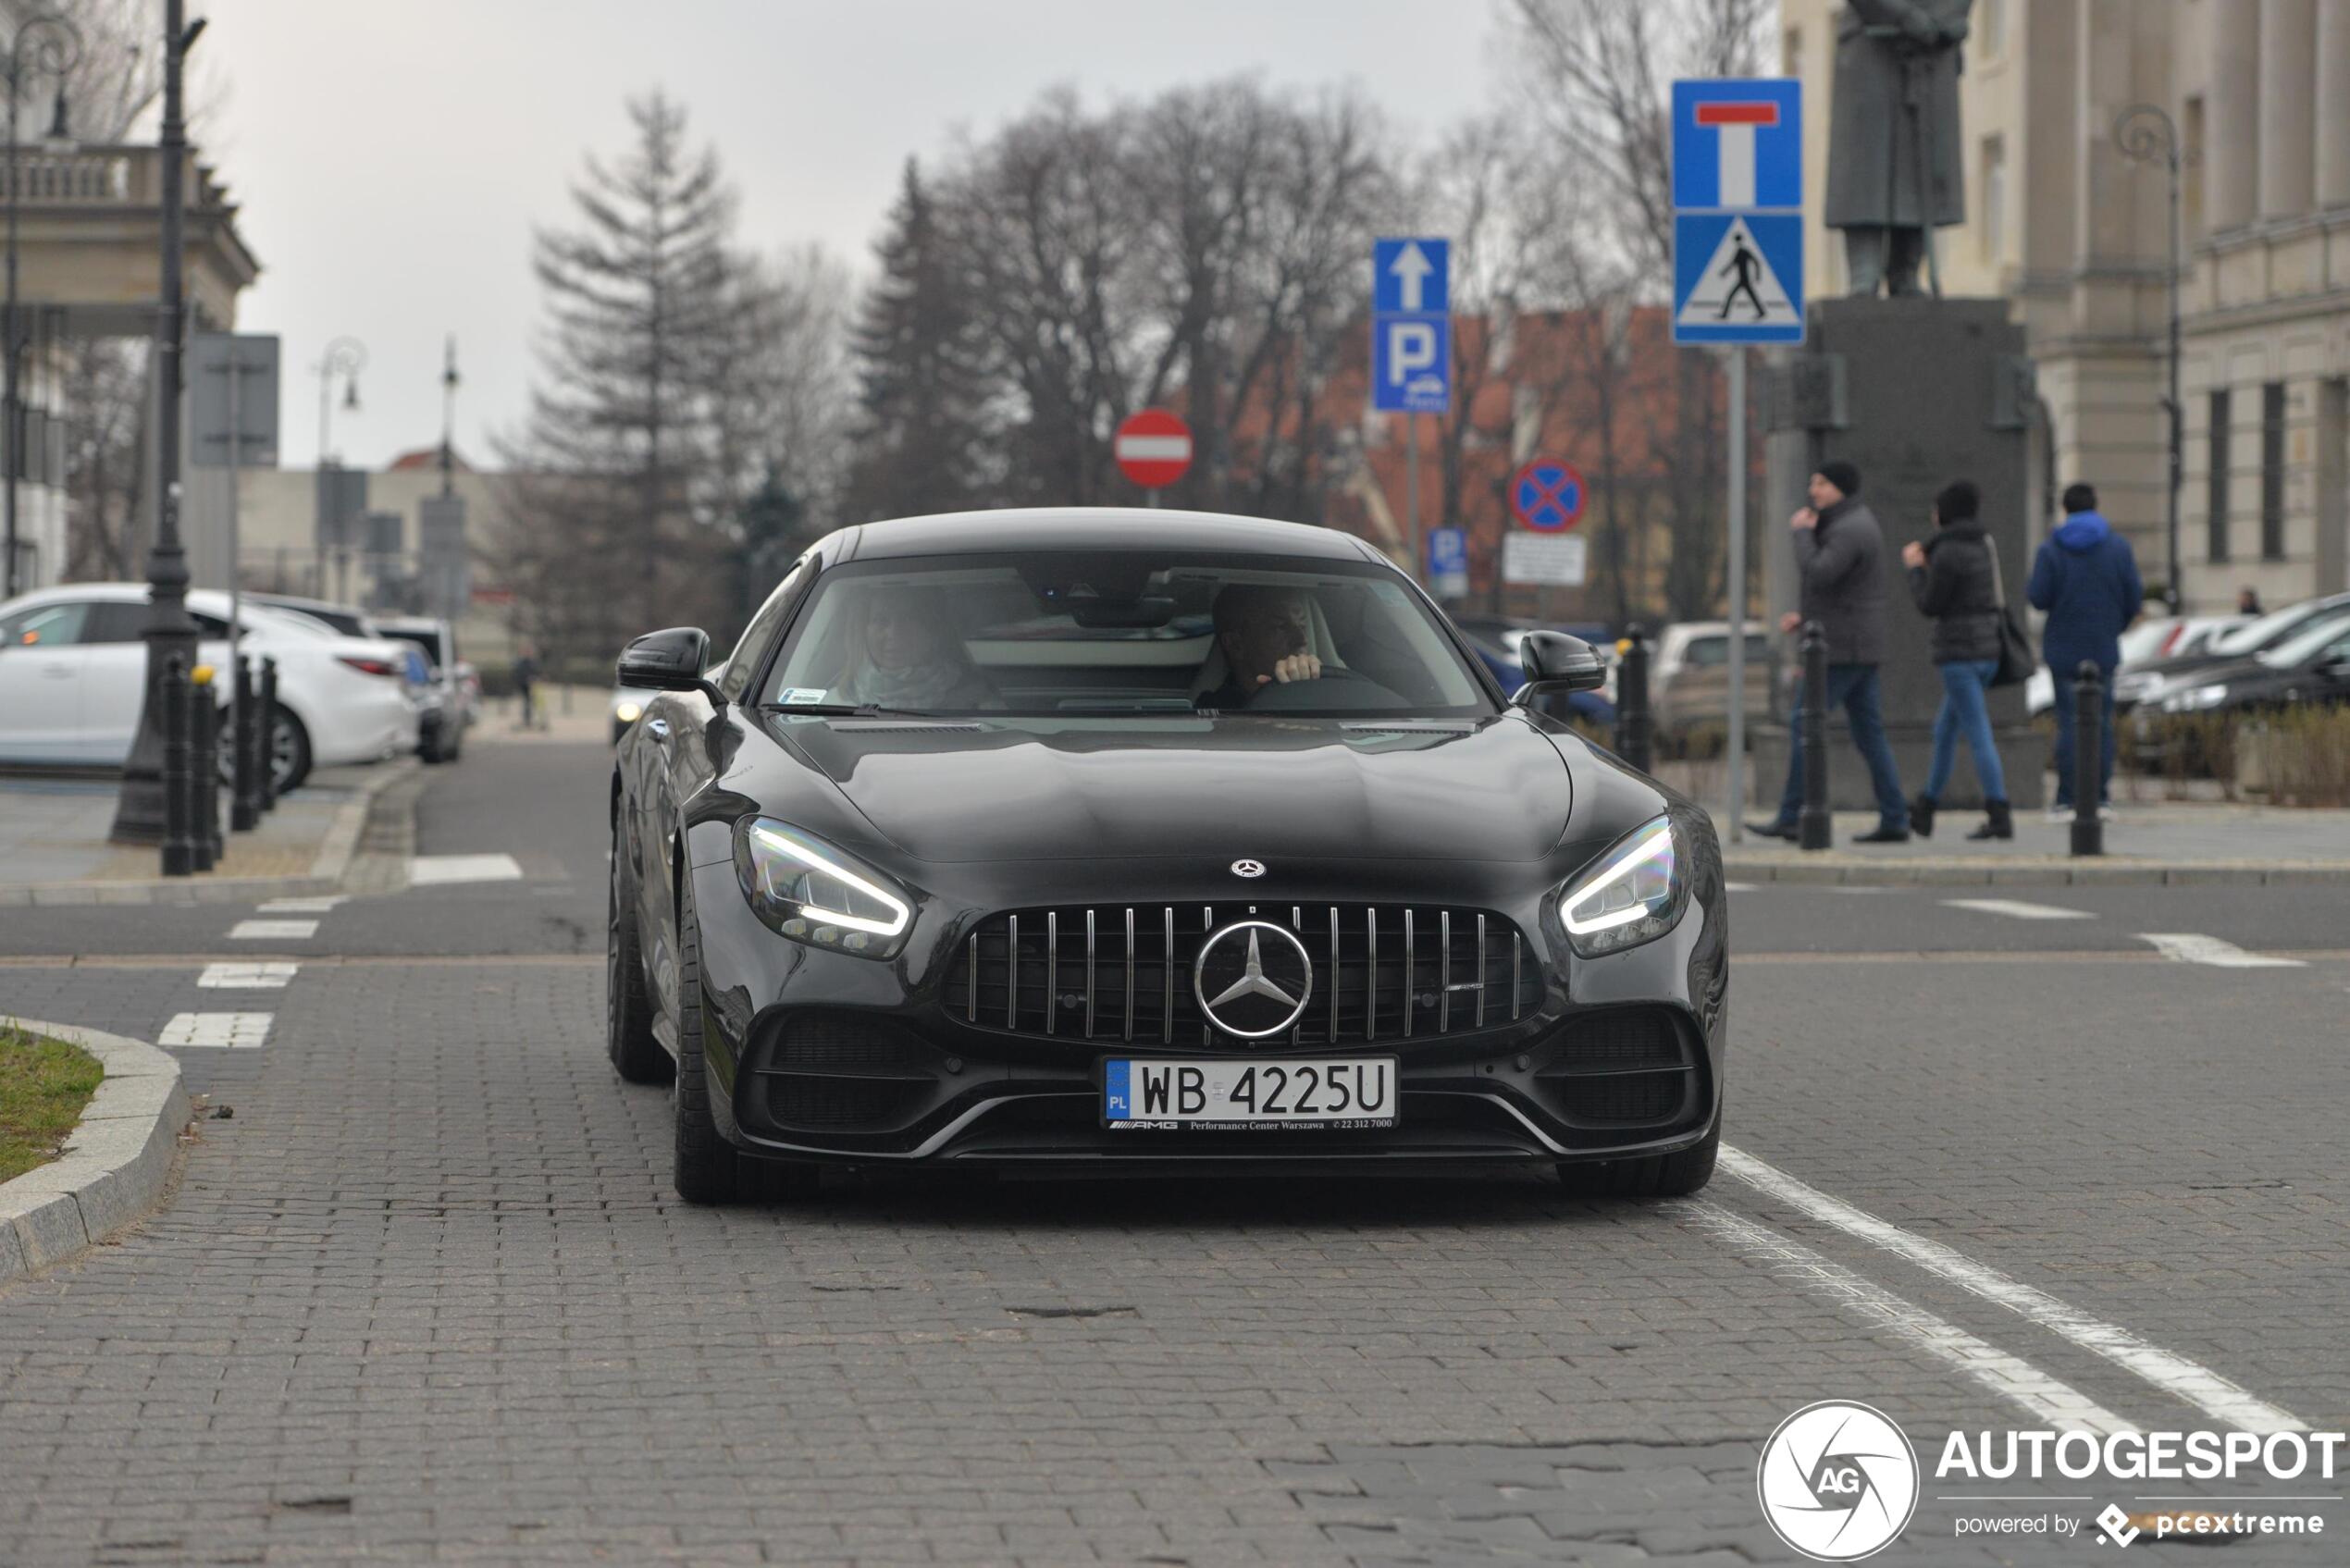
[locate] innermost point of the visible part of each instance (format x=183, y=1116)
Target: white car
x=73, y=671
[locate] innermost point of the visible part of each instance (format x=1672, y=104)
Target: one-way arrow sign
x=1410, y=276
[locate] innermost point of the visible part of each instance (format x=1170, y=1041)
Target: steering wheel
x=1284, y=697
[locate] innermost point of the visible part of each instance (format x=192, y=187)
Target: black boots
x=1921, y=816
x=1998, y=822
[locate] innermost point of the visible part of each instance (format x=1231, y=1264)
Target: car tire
x=636, y=1056
x=706, y=1170
x=1674, y=1175
x=288, y=752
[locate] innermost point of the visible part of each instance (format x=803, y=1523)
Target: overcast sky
x=390, y=159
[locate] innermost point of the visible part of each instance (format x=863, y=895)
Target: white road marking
x=2186, y=947
x=236, y=1031
x=1738, y=887
x=2174, y=1374
x=2015, y=909
x=272, y=931
x=425, y=870
x=246, y=977
x=2044, y=1399
x=300, y=906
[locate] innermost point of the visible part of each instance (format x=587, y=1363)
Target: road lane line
x=234, y=1031
x=2016, y=909
x=247, y=977
x=301, y=905
x=1729, y=886
x=425, y=870
x=2044, y=1399
x=266, y=930
x=2174, y=1374
x=2186, y=947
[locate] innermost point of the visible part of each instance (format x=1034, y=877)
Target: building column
x=2288, y=85
x=2333, y=104
x=2231, y=160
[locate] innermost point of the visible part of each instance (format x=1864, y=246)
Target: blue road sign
x=1448, y=561
x=1547, y=495
x=1411, y=326
x=1411, y=277
x=1738, y=211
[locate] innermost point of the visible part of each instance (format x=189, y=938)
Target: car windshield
x=1069, y=633
x=2295, y=651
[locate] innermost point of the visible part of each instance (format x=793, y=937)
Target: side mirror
x=669, y=660
x=1555, y=661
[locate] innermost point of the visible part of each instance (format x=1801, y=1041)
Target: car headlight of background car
x=2195, y=699
x=1633, y=893
x=806, y=890
x=627, y=712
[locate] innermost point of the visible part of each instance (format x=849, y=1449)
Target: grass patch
x=43, y=1085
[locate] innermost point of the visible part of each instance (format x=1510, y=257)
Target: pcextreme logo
x=1838, y=1481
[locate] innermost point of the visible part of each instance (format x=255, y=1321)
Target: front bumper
x=825, y=1056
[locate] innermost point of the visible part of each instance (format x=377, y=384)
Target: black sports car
x=1123, y=840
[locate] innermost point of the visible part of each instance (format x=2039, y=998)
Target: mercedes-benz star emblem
x=1248, y=867
x=1250, y=985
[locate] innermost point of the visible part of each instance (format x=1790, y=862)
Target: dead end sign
x=1153, y=448
x=1547, y=495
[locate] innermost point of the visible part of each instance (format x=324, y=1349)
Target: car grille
x=843, y=1071
x=1617, y=1067
x=1124, y=973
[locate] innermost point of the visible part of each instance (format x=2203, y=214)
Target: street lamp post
x=345, y=357
x=139, y=817
x=2145, y=133
x=56, y=49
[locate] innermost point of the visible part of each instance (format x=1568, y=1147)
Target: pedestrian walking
x=2248, y=601
x=2085, y=577
x=1839, y=567
x=1954, y=580
x=526, y=678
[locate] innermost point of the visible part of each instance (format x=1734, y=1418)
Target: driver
x=1266, y=634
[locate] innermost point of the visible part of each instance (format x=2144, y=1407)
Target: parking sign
x=1411, y=326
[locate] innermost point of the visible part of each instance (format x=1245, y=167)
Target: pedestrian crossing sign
x=1737, y=278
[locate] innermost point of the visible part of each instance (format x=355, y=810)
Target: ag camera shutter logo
x=1838, y=1481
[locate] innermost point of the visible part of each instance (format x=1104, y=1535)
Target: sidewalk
x=53, y=847
x=2149, y=844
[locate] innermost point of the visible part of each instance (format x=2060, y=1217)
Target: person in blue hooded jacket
x=2086, y=579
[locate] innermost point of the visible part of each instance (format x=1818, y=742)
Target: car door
x=114, y=679
x=41, y=675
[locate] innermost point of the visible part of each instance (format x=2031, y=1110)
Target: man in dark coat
x=2086, y=578
x=1954, y=579
x=1897, y=80
x=1839, y=566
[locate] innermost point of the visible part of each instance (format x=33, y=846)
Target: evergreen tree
x=924, y=446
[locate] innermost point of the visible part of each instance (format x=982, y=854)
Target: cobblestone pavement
x=425, y=1295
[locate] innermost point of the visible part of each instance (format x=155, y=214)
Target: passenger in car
x=1266, y=635
x=904, y=652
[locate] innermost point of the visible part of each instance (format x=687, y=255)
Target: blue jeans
x=1965, y=712
x=2064, y=689
x=1852, y=687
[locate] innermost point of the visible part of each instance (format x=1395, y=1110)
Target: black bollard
x=244, y=797
x=1635, y=729
x=2088, y=759
x=265, y=739
x=179, y=852
x=204, y=766
x=1813, y=826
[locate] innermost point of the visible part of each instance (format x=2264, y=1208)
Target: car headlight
x=627, y=712
x=2195, y=699
x=805, y=889
x=1632, y=894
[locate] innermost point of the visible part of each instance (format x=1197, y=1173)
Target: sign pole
x=1412, y=493
x=1733, y=756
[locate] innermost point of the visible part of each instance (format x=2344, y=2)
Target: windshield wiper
x=844, y=711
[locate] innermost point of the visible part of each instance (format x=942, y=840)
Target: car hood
x=1492, y=789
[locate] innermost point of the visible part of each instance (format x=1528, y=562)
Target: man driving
x=1267, y=635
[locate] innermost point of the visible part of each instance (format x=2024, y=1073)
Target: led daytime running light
x=900, y=913
x=1656, y=843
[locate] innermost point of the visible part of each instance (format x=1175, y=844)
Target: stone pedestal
x=1915, y=393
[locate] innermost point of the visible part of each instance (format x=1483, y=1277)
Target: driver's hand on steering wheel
x=1295, y=667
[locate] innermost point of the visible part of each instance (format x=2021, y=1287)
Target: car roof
x=1094, y=527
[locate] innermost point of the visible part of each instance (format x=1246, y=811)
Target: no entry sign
x=1547, y=495
x=1154, y=449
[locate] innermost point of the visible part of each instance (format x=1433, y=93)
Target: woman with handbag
x=1954, y=577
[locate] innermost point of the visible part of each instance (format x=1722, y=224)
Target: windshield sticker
x=794, y=695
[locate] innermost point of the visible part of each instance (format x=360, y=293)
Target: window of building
x=2191, y=172
x=2272, y=470
x=1791, y=53
x=1993, y=230
x=2216, y=503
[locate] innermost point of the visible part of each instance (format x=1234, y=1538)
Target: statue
x=1894, y=150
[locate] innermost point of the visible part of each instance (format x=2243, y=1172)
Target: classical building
x=2076, y=234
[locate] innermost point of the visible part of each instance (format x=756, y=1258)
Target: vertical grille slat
x=1009, y=974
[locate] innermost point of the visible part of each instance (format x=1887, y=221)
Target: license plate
x=1352, y=1092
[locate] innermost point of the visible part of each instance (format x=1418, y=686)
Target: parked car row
x=73, y=665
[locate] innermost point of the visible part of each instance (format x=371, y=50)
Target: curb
x=114, y=1167
x=2103, y=872
x=327, y=866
